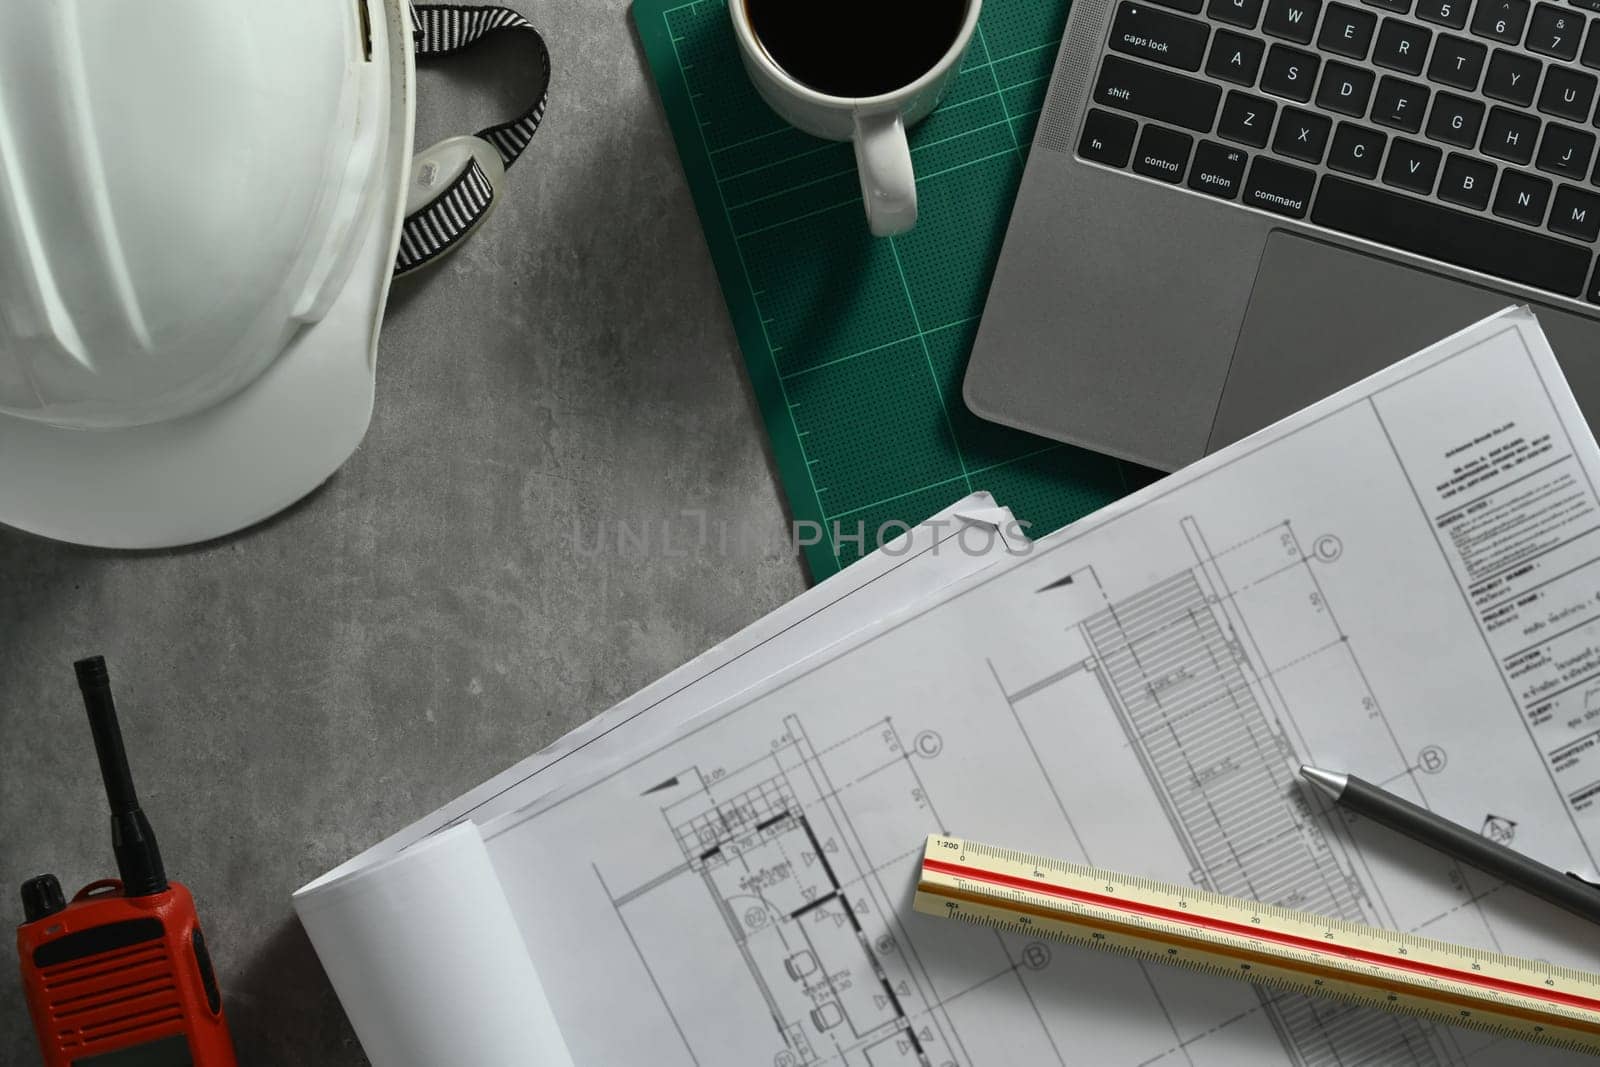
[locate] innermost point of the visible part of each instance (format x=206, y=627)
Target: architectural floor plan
x=1399, y=582
x=773, y=846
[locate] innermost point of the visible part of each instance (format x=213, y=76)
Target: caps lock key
x=1152, y=34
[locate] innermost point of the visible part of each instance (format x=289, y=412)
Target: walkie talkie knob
x=42, y=897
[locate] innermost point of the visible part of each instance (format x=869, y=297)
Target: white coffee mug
x=875, y=124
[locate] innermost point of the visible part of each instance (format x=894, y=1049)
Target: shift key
x=1157, y=94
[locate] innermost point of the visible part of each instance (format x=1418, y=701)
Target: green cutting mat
x=857, y=345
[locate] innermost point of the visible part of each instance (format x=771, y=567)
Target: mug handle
x=883, y=161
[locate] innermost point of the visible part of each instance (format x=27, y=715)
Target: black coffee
x=856, y=47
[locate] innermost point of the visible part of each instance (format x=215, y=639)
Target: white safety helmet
x=201, y=209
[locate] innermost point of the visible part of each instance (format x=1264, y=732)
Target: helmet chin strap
x=454, y=183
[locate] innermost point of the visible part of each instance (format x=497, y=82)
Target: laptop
x=1235, y=207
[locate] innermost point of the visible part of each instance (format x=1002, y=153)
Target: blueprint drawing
x=1402, y=581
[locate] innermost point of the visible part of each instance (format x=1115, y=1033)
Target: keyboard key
x=1107, y=138
x=1474, y=242
x=1356, y=150
x=1188, y=7
x=1591, y=46
x=1293, y=20
x=1218, y=170
x=1522, y=197
x=1157, y=94
x=1162, y=153
x=1241, y=13
x=1235, y=57
x=1452, y=13
x=1510, y=135
x=1592, y=5
x=1290, y=72
x=1347, y=31
x=1412, y=166
x=1302, y=135
x=1400, y=104
x=1158, y=36
x=1567, y=93
x=1565, y=151
x=1457, y=61
x=1402, y=46
x=1576, y=213
x=1466, y=181
x=1247, y=119
x=1399, y=7
x=1511, y=78
x=1279, y=187
x=1555, y=31
x=1592, y=294
x=1455, y=120
x=1345, y=89
x=1501, y=20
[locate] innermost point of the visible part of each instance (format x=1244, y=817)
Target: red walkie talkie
x=120, y=977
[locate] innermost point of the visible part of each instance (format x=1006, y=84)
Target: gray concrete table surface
x=447, y=603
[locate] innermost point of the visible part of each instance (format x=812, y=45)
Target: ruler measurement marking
x=1286, y=954
x=1423, y=1007
x=1324, y=948
x=1244, y=953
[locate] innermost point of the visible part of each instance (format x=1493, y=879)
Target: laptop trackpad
x=1322, y=317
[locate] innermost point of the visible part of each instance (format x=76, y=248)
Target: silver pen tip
x=1329, y=782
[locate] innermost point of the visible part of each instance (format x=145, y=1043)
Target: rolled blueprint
x=428, y=960
x=416, y=933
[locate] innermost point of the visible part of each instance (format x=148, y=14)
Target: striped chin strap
x=441, y=224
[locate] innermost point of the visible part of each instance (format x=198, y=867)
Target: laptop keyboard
x=1460, y=130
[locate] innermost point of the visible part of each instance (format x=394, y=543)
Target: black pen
x=1563, y=890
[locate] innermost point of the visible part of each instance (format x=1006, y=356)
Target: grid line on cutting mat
x=856, y=345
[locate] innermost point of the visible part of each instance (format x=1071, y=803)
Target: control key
x=1157, y=94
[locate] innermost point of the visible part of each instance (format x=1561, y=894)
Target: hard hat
x=201, y=208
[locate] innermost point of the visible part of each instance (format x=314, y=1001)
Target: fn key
x=1107, y=138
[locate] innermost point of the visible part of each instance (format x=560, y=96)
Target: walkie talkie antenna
x=138, y=857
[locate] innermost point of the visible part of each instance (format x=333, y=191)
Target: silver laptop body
x=1168, y=285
